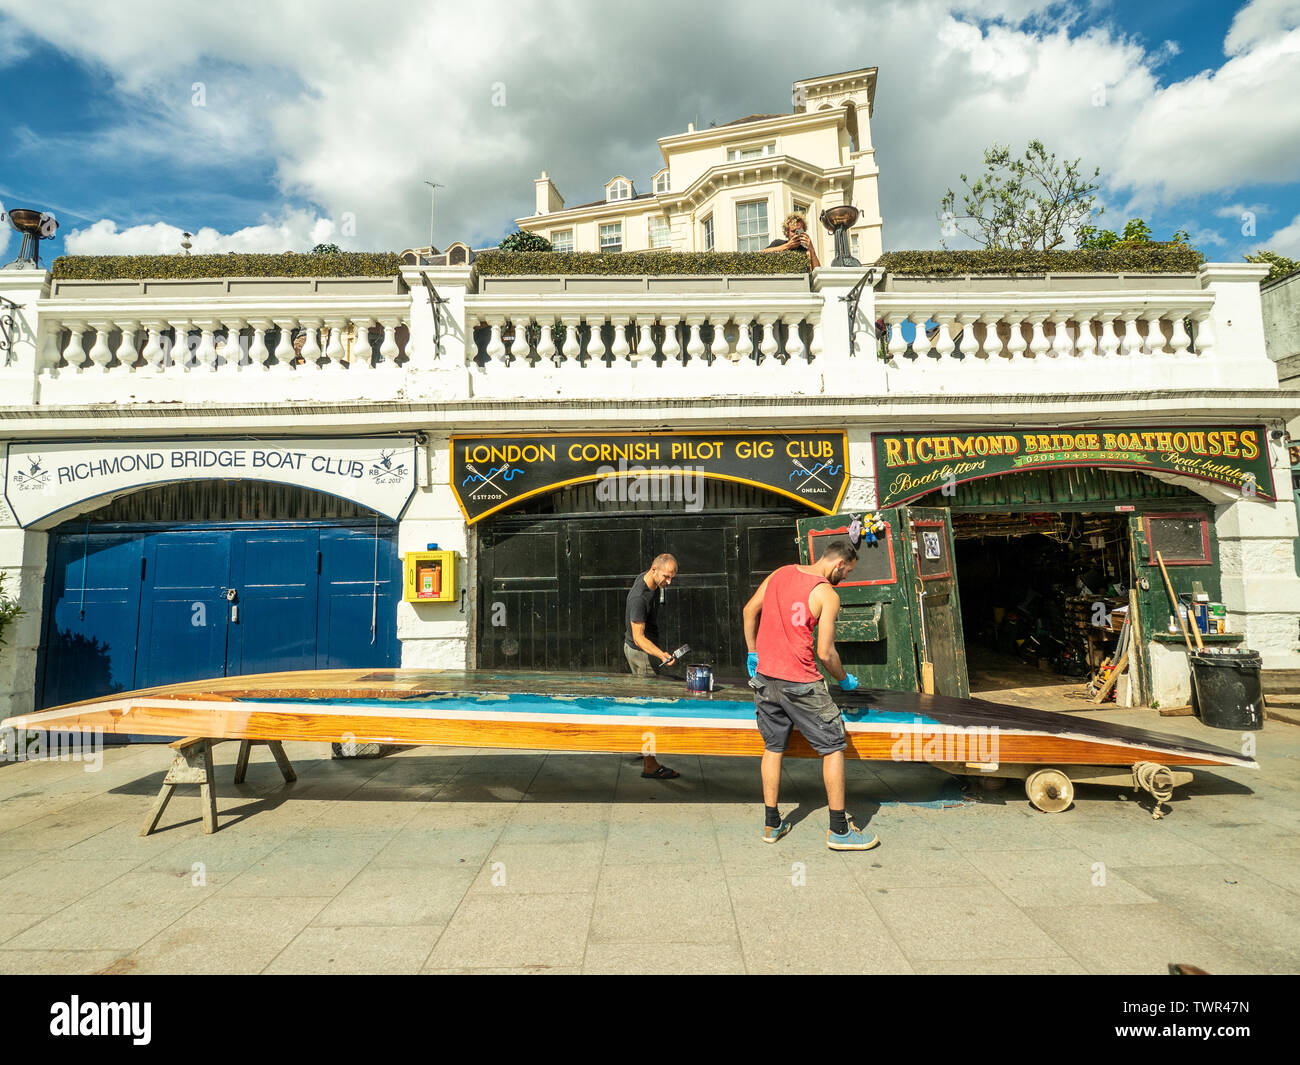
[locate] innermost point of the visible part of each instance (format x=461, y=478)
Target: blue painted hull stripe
x=685, y=709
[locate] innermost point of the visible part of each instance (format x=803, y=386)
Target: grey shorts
x=639, y=661
x=786, y=704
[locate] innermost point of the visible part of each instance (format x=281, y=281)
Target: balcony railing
x=285, y=339
x=458, y=336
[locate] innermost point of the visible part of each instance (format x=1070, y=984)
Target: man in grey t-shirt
x=641, y=636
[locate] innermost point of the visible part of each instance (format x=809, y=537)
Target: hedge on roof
x=504, y=263
x=1138, y=258
x=234, y=264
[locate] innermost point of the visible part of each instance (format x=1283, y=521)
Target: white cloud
x=1285, y=241
x=1221, y=129
x=1255, y=23
x=352, y=110
x=295, y=231
x=1200, y=237
x=1236, y=210
x=14, y=45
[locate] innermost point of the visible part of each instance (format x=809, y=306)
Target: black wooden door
x=552, y=591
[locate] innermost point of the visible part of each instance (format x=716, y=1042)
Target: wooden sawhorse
x=192, y=764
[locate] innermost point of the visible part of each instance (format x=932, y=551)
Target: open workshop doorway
x=1045, y=566
x=1039, y=594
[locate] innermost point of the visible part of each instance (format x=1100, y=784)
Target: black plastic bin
x=1226, y=688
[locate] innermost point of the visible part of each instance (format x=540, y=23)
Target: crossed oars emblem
x=486, y=479
x=813, y=473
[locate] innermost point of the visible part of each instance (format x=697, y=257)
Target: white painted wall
x=22, y=560
x=436, y=635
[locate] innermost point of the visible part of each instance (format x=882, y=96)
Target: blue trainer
x=852, y=840
x=771, y=835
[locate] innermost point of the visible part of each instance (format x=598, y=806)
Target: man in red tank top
x=789, y=691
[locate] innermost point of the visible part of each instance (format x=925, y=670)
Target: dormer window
x=618, y=189
x=751, y=151
x=661, y=182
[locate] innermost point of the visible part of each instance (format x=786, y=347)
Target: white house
x=728, y=187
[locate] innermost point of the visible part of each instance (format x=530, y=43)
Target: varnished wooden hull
x=569, y=712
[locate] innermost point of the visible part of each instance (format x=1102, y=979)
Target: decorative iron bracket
x=851, y=298
x=7, y=309
x=436, y=302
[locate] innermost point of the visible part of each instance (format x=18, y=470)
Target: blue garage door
x=136, y=608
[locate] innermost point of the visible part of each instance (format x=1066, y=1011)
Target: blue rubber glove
x=848, y=683
x=751, y=663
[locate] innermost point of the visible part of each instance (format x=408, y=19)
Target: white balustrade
x=1132, y=342
x=100, y=353
x=1016, y=343
x=1086, y=344
x=596, y=340
x=992, y=338
x=694, y=342
x=645, y=344
x=154, y=353
x=620, y=349
x=585, y=341
x=311, y=351
x=1204, y=340
x=794, y=345
x=258, y=353
x=126, y=354
x=284, y=353
x=1062, y=343
x=388, y=349
x=1038, y=342
x=1179, y=339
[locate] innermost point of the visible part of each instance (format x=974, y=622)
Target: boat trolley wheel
x=1049, y=790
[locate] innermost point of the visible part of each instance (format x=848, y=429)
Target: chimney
x=548, y=196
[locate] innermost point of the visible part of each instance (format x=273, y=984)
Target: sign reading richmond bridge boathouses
x=909, y=465
x=490, y=473
x=43, y=479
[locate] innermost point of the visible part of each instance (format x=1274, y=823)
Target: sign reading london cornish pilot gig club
x=43, y=479
x=490, y=473
x=910, y=465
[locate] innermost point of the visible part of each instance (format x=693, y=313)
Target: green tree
x=521, y=241
x=1279, y=265
x=1027, y=202
x=326, y=249
x=1136, y=231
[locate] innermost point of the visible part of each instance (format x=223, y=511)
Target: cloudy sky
x=270, y=126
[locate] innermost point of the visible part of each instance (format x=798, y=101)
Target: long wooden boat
x=581, y=712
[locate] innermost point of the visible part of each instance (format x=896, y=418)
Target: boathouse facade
x=464, y=465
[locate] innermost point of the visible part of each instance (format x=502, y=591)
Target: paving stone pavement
x=439, y=860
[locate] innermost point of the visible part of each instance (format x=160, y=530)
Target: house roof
x=597, y=203
x=749, y=118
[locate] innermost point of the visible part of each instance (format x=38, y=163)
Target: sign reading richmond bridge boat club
x=43, y=479
x=909, y=465
x=490, y=473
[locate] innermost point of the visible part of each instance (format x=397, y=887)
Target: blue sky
x=133, y=121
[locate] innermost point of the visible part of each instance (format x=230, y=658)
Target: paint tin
x=1202, y=614
x=699, y=679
